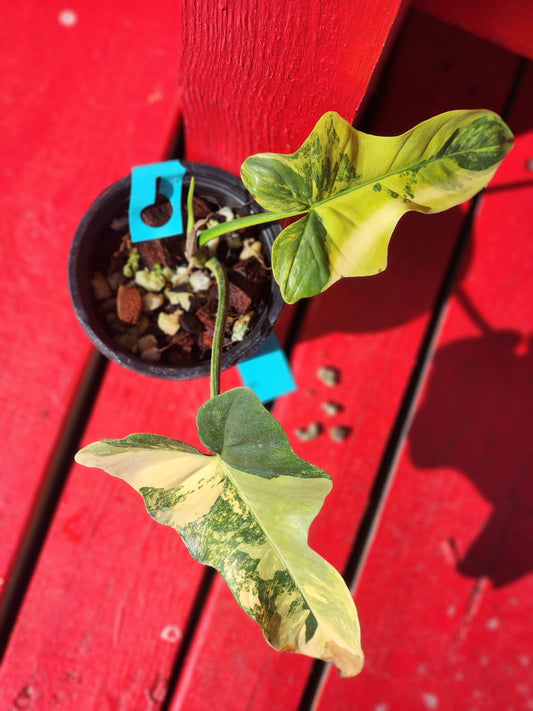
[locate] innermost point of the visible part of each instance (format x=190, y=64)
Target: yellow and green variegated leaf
x=352, y=188
x=246, y=510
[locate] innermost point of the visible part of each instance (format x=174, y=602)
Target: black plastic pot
x=95, y=238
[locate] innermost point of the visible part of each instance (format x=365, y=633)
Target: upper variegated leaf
x=352, y=189
x=246, y=511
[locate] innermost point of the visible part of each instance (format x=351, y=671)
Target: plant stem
x=220, y=324
x=248, y=221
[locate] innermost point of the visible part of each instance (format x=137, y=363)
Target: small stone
x=108, y=306
x=179, y=298
x=199, y=281
x=306, y=434
x=151, y=281
x=132, y=265
x=152, y=301
x=119, y=224
x=127, y=340
x=115, y=280
x=252, y=248
x=233, y=239
x=331, y=408
x=227, y=213
x=212, y=221
x=169, y=323
x=212, y=246
x=151, y=354
x=241, y=326
x=101, y=288
x=339, y=433
x=139, y=328
x=328, y=375
x=180, y=276
x=129, y=304
x=147, y=342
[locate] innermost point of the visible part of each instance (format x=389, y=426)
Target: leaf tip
x=83, y=456
x=348, y=663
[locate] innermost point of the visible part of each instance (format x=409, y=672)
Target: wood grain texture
x=116, y=624
x=75, y=114
x=446, y=595
x=113, y=592
x=370, y=330
x=509, y=24
x=256, y=75
x=112, y=589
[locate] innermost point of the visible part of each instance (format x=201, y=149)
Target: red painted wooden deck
x=431, y=514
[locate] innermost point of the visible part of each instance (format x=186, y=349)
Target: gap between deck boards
x=48, y=497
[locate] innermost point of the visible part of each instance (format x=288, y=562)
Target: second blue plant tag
x=268, y=372
x=146, y=182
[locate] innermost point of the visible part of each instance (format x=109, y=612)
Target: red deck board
x=446, y=594
x=76, y=112
x=508, y=24
x=258, y=75
x=113, y=591
x=371, y=331
x=108, y=607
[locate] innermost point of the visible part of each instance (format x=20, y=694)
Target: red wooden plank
x=75, y=113
x=257, y=75
x=370, y=330
x=446, y=595
x=90, y=594
x=112, y=590
x=509, y=23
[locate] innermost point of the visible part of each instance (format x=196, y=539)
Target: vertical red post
x=257, y=75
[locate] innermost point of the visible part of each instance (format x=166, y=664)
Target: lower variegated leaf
x=246, y=511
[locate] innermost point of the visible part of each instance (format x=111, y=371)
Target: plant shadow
x=419, y=252
x=476, y=412
x=476, y=417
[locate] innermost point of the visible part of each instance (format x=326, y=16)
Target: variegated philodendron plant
x=246, y=508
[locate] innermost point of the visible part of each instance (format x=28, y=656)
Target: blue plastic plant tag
x=146, y=182
x=268, y=372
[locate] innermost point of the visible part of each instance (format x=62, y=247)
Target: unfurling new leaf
x=246, y=511
x=351, y=189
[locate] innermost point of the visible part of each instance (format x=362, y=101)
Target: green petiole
x=216, y=268
x=241, y=222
